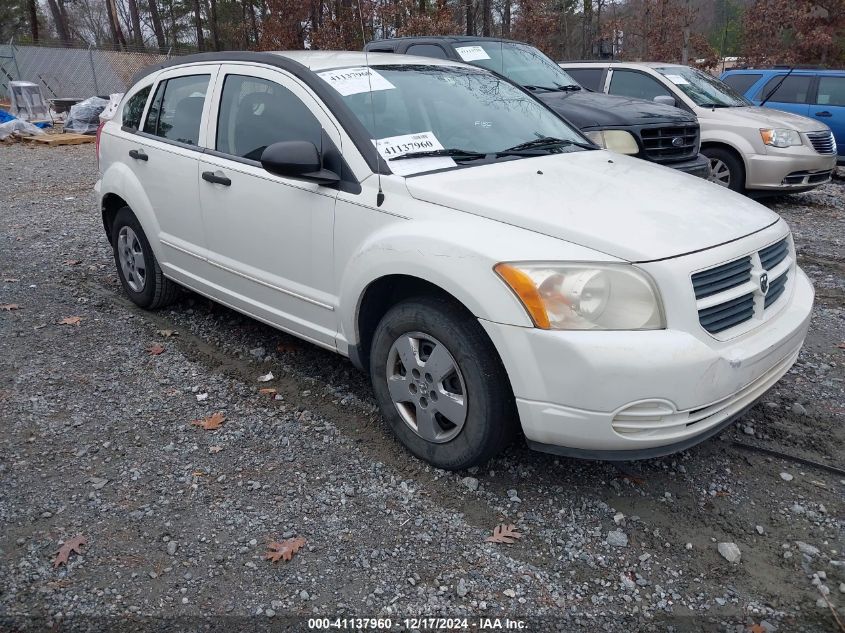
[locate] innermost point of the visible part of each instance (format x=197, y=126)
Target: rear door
x=792, y=95
x=269, y=237
x=829, y=107
x=165, y=154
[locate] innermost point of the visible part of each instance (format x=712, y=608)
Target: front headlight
x=585, y=296
x=618, y=141
x=780, y=137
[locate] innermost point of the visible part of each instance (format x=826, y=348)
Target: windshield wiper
x=459, y=154
x=568, y=88
x=546, y=142
x=713, y=105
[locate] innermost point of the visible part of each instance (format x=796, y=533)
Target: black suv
x=653, y=131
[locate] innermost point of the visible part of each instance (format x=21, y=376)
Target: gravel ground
x=97, y=440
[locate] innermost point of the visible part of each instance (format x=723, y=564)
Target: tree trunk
x=135, y=21
x=506, y=19
x=198, y=25
x=470, y=17
x=486, y=18
x=114, y=25
x=155, y=18
x=61, y=24
x=253, y=23
x=33, y=19
x=587, y=32
x=215, y=30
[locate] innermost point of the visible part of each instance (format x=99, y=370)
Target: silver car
x=751, y=149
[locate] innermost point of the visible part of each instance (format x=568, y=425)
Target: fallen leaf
x=211, y=423
x=71, y=545
x=8, y=307
x=284, y=550
x=267, y=391
x=756, y=628
x=841, y=346
x=155, y=349
x=266, y=377
x=70, y=321
x=504, y=534
x=73, y=262
x=214, y=449
x=167, y=333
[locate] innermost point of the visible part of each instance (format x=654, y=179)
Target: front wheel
x=440, y=384
x=726, y=169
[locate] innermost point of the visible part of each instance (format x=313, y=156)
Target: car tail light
x=97, y=144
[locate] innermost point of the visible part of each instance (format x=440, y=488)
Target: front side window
x=831, y=91
x=792, y=89
x=630, y=83
x=134, y=108
x=522, y=64
x=742, y=82
x=588, y=77
x=255, y=113
x=176, y=111
x=424, y=107
x=705, y=90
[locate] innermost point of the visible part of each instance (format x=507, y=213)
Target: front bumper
x=788, y=169
x=631, y=395
x=698, y=166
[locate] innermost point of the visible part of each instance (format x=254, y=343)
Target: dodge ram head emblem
x=764, y=283
x=678, y=141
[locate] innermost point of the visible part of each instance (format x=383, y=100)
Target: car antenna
x=380, y=194
x=775, y=89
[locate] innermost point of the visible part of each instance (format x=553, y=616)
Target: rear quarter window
x=134, y=108
x=741, y=83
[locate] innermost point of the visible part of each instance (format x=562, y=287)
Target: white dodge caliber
x=486, y=264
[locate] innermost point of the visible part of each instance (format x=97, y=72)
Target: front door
x=829, y=107
x=269, y=238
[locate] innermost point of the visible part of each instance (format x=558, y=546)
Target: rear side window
x=134, y=108
x=831, y=91
x=255, y=113
x=794, y=89
x=587, y=77
x=426, y=50
x=742, y=82
x=176, y=110
x=630, y=83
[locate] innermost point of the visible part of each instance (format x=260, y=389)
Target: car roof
x=447, y=38
x=323, y=60
x=780, y=71
x=616, y=62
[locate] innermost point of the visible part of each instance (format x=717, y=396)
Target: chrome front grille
x=822, y=142
x=742, y=289
x=668, y=144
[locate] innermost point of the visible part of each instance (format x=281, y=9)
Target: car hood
x=756, y=117
x=595, y=110
x=621, y=206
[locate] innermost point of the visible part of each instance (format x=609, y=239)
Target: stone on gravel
x=806, y=548
x=730, y=552
x=798, y=409
x=786, y=477
x=470, y=482
x=617, y=538
x=461, y=588
x=171, y=547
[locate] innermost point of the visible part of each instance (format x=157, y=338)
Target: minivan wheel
x=440, y=384
x=725, y=168
x=137, y=267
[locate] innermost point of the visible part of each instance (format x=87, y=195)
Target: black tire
x=157, y=291
x=491, y=418
x=733, y=163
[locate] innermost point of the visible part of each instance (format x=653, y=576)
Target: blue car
x=818, y=94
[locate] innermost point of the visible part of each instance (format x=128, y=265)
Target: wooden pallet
x=65, y=138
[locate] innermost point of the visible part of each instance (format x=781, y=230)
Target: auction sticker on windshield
x=352, y=81
x=471, y=53
x=677, y=80
x=394, y=146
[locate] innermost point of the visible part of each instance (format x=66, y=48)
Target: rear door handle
x=210, y=176
x=823, y=113
x=138, y=154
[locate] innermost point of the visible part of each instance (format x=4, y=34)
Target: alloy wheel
x=131, y=257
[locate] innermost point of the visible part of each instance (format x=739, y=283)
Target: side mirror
x=665, y=100
x=297, y=159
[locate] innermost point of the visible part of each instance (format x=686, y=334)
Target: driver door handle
x=138, y=154
x=823, y=113
x=210, y=176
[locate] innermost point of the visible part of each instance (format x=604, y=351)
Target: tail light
x=97, y=144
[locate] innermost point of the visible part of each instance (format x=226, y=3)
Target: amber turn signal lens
x=525, y=289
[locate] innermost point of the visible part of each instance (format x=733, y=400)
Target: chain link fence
x=75, y=72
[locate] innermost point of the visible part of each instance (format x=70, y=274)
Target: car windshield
x=705, y=90
x=522, y=64
x=426, y=108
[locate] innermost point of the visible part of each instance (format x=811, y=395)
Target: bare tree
x=32, y=8
x=155, y=18
x=135, y=21
x=198, y=25
x=60, y=20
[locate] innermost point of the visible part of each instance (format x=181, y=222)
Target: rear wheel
x=137, y=267
x=726, y=169
x=440, y=384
